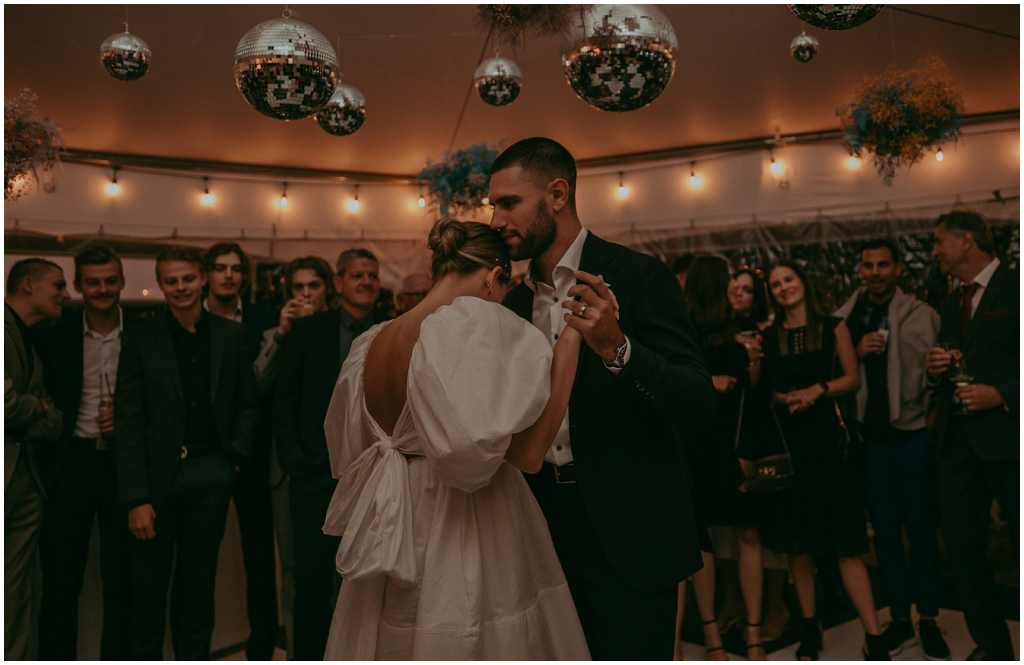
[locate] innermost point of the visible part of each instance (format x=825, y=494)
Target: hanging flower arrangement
x=459, y=182
x=513, y=24
x=30, y=145
x=899, y=115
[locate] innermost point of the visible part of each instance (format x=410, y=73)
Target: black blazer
x=310, y=364
x=992, y=352
x=257, y=319
x=149, y=405
x=627, y=430
x=61, y=348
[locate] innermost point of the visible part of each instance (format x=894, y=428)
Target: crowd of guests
x=882, y=408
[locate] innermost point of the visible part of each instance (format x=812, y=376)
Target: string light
x=695, y=180
x=207, y=197
x=422, y=202
x=113, y=187
x=775, y=167
x=284, y=195
x=938, y=155
x=623, y=191
x=353, y=205
x=853, y=162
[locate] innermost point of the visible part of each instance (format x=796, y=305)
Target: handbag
x=772, y=473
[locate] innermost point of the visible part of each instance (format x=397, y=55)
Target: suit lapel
x=218, y=344
x=331, y=337
x=77, y=364
x=992, y=291
x=164, y=349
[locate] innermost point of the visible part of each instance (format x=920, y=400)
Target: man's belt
x=563, y=475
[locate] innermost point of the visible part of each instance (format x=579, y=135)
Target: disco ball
x=125, y=56
x=498, y=81
x=835, y=17
x=344, y=113
x=803, y=47
x=285, y=68
x=619, y=57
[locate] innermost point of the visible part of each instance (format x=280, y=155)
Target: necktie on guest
x=966, y=308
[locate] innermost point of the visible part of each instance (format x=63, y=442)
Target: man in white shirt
x=80, y=356
x=978, y=422
x=615, y=486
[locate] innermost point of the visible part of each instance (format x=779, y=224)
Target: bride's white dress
x=445, y=553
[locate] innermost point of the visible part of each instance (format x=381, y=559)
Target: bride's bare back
x=386, y=371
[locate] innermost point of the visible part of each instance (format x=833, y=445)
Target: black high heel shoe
x=756, y=645
x=810, y=639
x=709, y=650
x=875, y=648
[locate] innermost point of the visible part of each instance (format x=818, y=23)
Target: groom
x=615, y=485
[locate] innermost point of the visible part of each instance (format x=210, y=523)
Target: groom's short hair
x=545, y=160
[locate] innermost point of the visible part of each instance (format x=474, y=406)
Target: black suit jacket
x=627, y=430
x=992, y=352
x=61, y=347
x=149, y=404
x=310, y=364
x=256, y=319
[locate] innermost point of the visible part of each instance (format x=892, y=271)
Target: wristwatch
x=619, y=361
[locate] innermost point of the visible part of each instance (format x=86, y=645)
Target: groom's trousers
x=618, y=622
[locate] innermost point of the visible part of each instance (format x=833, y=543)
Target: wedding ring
x=582, y=310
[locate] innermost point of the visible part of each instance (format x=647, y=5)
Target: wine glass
x=959, y=376
x=750, y=336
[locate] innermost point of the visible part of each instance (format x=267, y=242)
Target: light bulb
x=207, y=198
x=284, y=202
x=853, y=162
x=696, y=180
x=776, y=168
x=113, y=188
x=938, y=155
x=353, y=205
x=623, y=192
x=422, y=202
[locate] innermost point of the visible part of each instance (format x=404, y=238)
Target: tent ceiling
x=734, y=80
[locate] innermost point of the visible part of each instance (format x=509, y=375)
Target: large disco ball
x=619, y=57
x=285, y=68
x=125, y=56
x=835, y=17
x=803, y=47
x=344, y=113
x=498, y=81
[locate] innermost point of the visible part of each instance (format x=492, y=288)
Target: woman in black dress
x=825, y=513
x=713, y=451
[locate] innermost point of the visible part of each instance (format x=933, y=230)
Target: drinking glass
x=959, y=376
x=751, y=335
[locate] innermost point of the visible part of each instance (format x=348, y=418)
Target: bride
x=444, y=551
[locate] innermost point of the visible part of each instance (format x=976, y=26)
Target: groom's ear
x=559, y=191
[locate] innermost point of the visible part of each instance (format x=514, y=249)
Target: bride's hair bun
x=447, y=238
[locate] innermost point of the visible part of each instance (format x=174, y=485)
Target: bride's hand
x=570, y=336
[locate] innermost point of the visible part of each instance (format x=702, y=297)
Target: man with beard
x=313, y=352
x=80, y=355
x=615, y=485
x=36, y=292
x=229, y=273
x=184, y=412
x=892, y=333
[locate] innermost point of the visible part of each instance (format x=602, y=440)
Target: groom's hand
x=594, y=315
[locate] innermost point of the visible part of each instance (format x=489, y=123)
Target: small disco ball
x=498, y=81
x=125, y=56
x=835, y=17
x=619, y=57
x=804, y=47
x=285, y=68
x=344, y=113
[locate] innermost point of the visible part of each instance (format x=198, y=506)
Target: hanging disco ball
x=125, y=56
x=344, y=113
x=835, y=17
x=285, y=68
x=498, y=81
x=619, y=57
x=804, y=47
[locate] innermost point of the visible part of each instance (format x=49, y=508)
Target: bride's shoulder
x=467, y=314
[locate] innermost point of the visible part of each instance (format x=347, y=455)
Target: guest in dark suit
x=978, y=453
x=184, y=411
x=36, y=292
x=615, y=486
x=311, y=359
x=229, y=272
x=80, y=357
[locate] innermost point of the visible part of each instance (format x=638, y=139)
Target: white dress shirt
x=236, y=317
x=982, y=279
x=99, y=374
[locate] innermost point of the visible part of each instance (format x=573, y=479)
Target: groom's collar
x=570, y=261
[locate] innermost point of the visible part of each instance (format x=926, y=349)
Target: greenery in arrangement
x=514, y=23
x=30, y=144
x=459, y=182
x=898, y=115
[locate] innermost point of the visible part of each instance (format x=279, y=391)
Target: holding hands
x=595, y=315
x=800, y=400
